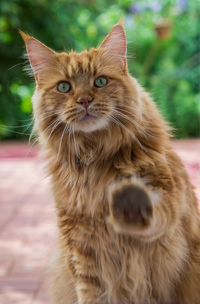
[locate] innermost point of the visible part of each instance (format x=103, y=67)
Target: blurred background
x=164, y=55
x=163, y=47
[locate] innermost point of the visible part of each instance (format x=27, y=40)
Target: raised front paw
x=130, y=208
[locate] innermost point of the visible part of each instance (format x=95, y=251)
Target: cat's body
x=129, y=271
x=127, y=215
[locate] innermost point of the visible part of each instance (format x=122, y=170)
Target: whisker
x=69, y=143
x=45, y=130
x=61, y=139
x=55, y=125
x=31, y=135
x=121, y=105
x=3, y=128
x=119, y=123
x=13, y=127
x=14, y=66
x=50, y=114
x=31, y=146
x=134, y=123
x=74, y=116
x=28, y=119
x=75, y=145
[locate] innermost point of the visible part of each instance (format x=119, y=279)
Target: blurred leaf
x=169, y=68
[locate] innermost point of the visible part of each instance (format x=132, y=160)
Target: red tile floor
x=28, y=224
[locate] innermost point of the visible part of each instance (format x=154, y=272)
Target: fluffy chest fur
x=129, y=271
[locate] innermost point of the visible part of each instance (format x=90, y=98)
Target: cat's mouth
x=87, y=117
x=89, y=122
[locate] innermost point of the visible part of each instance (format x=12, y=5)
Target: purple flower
x=136, y=8
x=155, y=6
x=182, y=4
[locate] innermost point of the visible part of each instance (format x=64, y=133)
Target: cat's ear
x=115, y=43
x=39, y=55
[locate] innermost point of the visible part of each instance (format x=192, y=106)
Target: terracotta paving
x=28, y=224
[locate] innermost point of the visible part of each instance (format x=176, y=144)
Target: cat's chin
x=90, y=124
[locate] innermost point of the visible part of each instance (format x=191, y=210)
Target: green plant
x=166, y=62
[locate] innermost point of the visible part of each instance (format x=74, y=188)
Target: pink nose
x=84, y=100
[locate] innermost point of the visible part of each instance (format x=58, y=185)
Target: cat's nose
x=85, y=100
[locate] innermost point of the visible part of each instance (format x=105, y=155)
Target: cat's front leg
x=88, y=285
x=88, y=294
x=134, y=209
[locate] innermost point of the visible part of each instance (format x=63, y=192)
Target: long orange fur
x=102, y=258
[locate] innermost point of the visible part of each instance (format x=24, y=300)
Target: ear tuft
x=25, y=36
x=121, y=22
x=115, y=42
x=39, y=55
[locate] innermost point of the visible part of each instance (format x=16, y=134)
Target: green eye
x=64, y=87
x=100, y=82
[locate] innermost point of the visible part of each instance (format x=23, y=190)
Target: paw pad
x=131, y=205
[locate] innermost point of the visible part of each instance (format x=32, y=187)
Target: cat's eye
x=64, y=86
x=100, y=82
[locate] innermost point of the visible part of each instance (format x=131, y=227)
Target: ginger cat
x=129, y=228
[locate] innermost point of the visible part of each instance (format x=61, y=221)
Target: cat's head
x=80, y=91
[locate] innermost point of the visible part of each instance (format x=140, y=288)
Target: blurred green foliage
x=164, y=51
